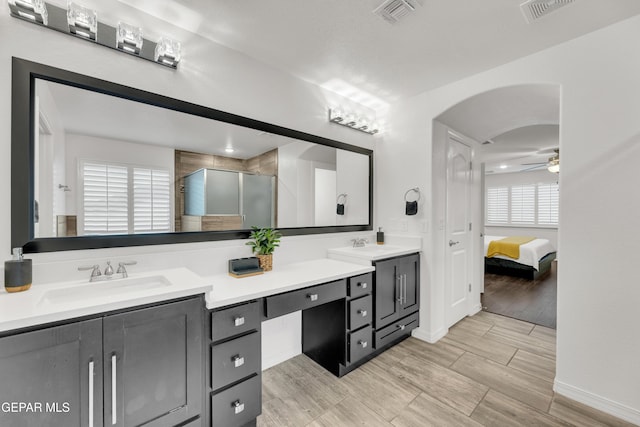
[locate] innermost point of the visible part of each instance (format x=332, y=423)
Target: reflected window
x=110, y=189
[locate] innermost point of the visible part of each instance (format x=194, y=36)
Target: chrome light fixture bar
x=350, y=120
x=83, y=23
x=31, y=10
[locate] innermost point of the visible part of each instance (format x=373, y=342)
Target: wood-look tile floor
x=489, y=370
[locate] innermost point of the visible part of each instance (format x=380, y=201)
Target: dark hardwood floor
x=533, y=301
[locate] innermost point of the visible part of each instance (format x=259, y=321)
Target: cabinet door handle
x=313, y=297
x=362, y=313
x=237, y=407
x=114, y=398
x=362, y=343
x=404, y=288
x=91, y=393
x=363, y=285
x=238, y=321
x=399, y=288
x=237, y=361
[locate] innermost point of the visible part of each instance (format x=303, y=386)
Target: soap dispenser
x=17, y=272
x=380, y=236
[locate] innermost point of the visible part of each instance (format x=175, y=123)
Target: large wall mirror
x=96, y=164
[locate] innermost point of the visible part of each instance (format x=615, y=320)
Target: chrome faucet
x=96, y=275
x=359, y=242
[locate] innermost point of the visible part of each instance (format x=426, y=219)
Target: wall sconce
x=350, y=120
x=83, y=23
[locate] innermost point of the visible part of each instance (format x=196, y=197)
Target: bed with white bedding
x=535, y=259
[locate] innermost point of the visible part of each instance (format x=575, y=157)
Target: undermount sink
x=377, y=248
x=103, y=289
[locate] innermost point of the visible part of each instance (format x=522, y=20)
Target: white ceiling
x=341, y=42
x=84, y=112
x=523, y=149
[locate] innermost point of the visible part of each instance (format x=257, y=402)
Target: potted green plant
x=264, y=242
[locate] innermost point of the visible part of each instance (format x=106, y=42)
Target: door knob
x=451, y=243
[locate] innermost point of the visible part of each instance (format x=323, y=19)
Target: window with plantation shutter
x=105, y=199
x=124, y=199
x=523, y=204
x=151, y=201
x=497, y=205
x=548, y=204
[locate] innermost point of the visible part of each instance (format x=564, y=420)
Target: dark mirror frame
x=24, y=74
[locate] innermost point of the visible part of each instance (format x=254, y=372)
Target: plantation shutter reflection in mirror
x=151, y=200
x=105, y=199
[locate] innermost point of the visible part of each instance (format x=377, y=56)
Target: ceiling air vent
x=394, y=10
x=536, y=9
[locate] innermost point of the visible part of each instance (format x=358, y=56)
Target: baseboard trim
x=598, y=402
x=430, y=337
x=475, y=309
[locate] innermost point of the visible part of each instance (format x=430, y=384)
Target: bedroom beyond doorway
x=533, y=301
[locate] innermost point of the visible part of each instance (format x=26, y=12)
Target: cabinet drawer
x=236, y=359
x=360, y=312
x=397, y=329
x=238, y=405
x=360, y=285
x=235, y=320
x=360, y=344
x=302, y=299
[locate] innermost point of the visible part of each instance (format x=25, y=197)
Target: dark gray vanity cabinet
x=397, y=297
x=234, y=365
x=55, y=374
x=153, y=365
x=140, y=367
x=338, y=335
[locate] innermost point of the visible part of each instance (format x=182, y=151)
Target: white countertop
x=230, y=290
x=37, y=305
x=371, y=252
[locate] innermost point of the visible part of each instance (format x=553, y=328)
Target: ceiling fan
x=553, y=164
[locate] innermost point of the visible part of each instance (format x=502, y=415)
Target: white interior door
x=458, y=230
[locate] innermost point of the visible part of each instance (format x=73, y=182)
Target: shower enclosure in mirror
x=102, y=165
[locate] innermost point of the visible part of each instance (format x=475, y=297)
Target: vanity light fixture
x=168, y=52
x=82, y=21
x=31, y=10
x=229, y=150
x=129, y=38
x=338, y=116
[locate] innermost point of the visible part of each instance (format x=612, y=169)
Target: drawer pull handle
x=401, y=327
x=363, y=344
x=363, y=285
x=313, y=297
x=237, y=361
x=362, y=313
x=238, y=321
x=237, y=407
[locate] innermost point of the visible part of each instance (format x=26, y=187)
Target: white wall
x=530, y=177
x=353, y=180
x=209, y=75
x=597, y=354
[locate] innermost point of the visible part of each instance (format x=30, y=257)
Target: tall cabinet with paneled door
x=397, y=298
x=140, y=367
